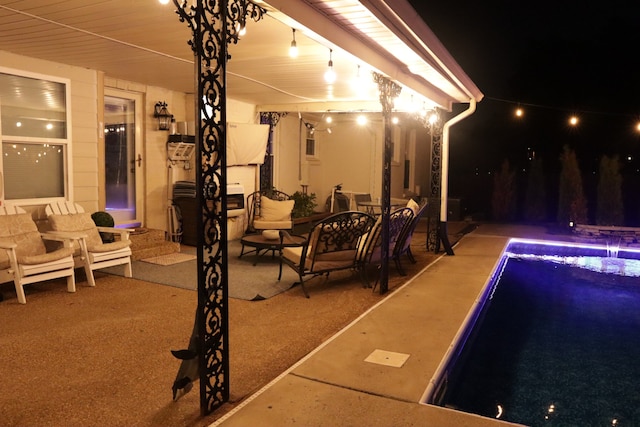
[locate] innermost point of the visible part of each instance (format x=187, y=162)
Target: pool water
x=555, y=345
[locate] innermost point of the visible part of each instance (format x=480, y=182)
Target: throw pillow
x=80, y=222
x=411, y=204
x=275, y=210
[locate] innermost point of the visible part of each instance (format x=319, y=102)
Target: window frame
x=311, y=139
x=67, y=172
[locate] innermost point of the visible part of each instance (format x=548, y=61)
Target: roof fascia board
x=318, y=107
x=328, y=32
x=401, y=18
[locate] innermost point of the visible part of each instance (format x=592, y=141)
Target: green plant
x=610, y=206
x=503, y=199
x=104, y=219
x=304, y=204
x=572, y=203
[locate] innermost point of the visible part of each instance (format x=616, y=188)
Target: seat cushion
x=328, y=261
x=108, y=247
x=275, y=210
x=47, y=257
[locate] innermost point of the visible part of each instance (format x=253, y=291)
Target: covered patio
x=405, y=68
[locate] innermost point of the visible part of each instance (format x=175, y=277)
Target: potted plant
x=104, y=219
x=304, y=204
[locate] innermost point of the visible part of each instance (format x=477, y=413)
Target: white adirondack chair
x=23, y=254
x=69, y=220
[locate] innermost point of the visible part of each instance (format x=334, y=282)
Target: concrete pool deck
x=335, y=386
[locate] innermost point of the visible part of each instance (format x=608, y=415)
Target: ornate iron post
x=433, y=241
x=215, y=25
x=388, y=91
x=266, y=169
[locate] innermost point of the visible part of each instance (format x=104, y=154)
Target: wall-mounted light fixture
x=163, y=115
x=293, y=49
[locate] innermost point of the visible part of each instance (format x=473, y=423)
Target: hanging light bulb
x=330, y=75
x=360, y=83
x=293, y=50
x=241, y=28
x=433, y=118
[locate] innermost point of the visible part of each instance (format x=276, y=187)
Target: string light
x=574, y=118
x=293, y=49
x=330, y=75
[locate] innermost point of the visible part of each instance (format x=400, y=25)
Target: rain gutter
x=444, y=177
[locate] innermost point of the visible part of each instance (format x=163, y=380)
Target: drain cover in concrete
x=387, y=358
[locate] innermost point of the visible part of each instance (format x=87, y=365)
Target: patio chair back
x=332, y=245
x=69, y=219
x=269, y=216
x=371, y=247
x=403, y=245
x=23, y=253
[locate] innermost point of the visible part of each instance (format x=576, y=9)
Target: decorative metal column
x=433, y=242
x=266, y=169
x=215, y=25
x=388, y=91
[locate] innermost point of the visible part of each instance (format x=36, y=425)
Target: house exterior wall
x=87, y=88
x=84, y=122
x=350, y=155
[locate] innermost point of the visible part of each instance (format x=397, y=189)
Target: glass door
x=124, y=167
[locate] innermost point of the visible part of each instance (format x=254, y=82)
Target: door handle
x=133, y=162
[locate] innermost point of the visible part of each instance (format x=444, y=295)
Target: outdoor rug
x=169, y=259
x=246, y=281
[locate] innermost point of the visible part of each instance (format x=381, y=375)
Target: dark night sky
x=555, y=58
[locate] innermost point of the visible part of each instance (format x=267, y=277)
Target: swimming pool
x=553, y=339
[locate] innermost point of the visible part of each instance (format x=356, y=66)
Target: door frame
x=140, y=174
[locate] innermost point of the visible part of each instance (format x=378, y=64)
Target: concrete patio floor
x=335, y=386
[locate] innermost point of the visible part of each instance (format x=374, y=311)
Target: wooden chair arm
x=123, y=232
x=63, y=235
x=7, y=245
x=66, y=237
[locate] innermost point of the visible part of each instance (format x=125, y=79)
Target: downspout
x=444, y=177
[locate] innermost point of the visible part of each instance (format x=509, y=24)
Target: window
x=35, y=136
x=311, y=149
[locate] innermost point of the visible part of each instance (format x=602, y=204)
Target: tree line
x=572, y=206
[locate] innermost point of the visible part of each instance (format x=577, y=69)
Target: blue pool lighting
x=552, y=339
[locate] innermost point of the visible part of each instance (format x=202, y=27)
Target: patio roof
x=144, y=42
